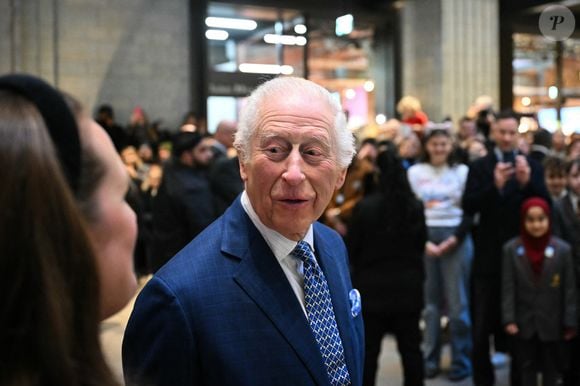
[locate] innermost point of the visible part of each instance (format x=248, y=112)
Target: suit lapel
x=548, y=270
x=569, y=211
x=263, y=280
x=567, y=204
x=526, y=267
x=337, y=283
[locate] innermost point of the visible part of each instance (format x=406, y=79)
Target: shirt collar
x=499, y=153
x=280, y=245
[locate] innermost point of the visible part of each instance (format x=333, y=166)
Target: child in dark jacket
x=538, y=295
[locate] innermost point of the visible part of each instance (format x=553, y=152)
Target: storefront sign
x=235, y=84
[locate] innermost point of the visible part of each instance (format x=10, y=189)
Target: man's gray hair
x=278, y=88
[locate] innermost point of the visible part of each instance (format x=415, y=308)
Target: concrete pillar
x=450, y=53
x=126, y=53
x=27, y=41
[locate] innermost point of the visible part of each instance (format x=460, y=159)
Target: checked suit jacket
x=222, y=312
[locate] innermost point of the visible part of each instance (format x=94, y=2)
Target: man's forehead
x=283, y=100
x=507, y=123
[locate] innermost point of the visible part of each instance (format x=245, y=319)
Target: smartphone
x=509, y=157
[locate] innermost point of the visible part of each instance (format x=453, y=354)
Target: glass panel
x=535, y=86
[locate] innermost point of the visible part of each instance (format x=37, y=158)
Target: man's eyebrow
x=262, y=137
x=319, y=140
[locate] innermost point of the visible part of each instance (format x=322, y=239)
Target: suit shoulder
x=561, y=245
x=370, y=202
x=512, y=244
x=325, y=231
x=196, y=257
x=534, y=163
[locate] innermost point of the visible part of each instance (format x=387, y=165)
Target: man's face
x=574, y=180
x=202, y=154
x=506, y=134
x=555, y=182
x=467, y=129
x=536, y=222
x=291, y=172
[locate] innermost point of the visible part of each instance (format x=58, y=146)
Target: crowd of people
x=476, y=222
x=472, y=182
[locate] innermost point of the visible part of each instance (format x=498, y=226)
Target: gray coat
x=567, y=226
x=543, y=306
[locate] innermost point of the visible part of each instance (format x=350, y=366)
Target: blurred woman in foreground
x=66, y=238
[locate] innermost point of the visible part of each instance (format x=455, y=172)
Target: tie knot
x=302, y=251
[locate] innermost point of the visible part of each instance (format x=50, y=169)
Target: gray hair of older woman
x=283, y=86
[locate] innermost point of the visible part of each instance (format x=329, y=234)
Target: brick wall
x=126, y=53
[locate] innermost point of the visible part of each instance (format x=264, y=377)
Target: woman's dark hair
x=432, y=133
x=570, y=164
x=49, y=313
x=572, y=144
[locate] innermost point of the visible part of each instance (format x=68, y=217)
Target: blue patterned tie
x=321, y=316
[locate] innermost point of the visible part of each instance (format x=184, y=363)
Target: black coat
x=499, y=219
x=387, y=262
x=226, y=182
x=567, y=226
x=182, y=208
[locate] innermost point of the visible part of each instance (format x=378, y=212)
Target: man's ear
x=340, y=179
x=243, y=172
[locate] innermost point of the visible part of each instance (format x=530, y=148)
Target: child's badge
x=549, y=252
x=555, y=281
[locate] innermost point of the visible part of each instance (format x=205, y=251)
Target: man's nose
x=294, y=174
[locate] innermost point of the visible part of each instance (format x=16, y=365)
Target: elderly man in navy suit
x=263, y=296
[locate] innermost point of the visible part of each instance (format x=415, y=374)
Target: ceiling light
x=256, y=68
x=216, y=34
x=344, y=25
x=229, y=23
x=380, y=119
x=369, y=86
x=300, y=29
x=350, y=93
x=288, y=40
x=553, y=92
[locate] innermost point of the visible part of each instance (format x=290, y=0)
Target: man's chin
x=292, y=231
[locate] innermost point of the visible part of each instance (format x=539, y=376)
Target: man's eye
x=313, y=152
x=275, y=152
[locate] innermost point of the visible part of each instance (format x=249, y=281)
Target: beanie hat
x=184, y=141
x=57, y=116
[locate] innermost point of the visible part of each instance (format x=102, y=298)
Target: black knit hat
x=58, y=118
x=184, y=141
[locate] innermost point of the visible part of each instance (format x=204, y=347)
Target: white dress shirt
x=281, y=247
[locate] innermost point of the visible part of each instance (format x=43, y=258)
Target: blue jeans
x=447, y=288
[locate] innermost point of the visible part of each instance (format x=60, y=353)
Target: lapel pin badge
x=555, y=281
x=549, y=252
x=355, y=302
